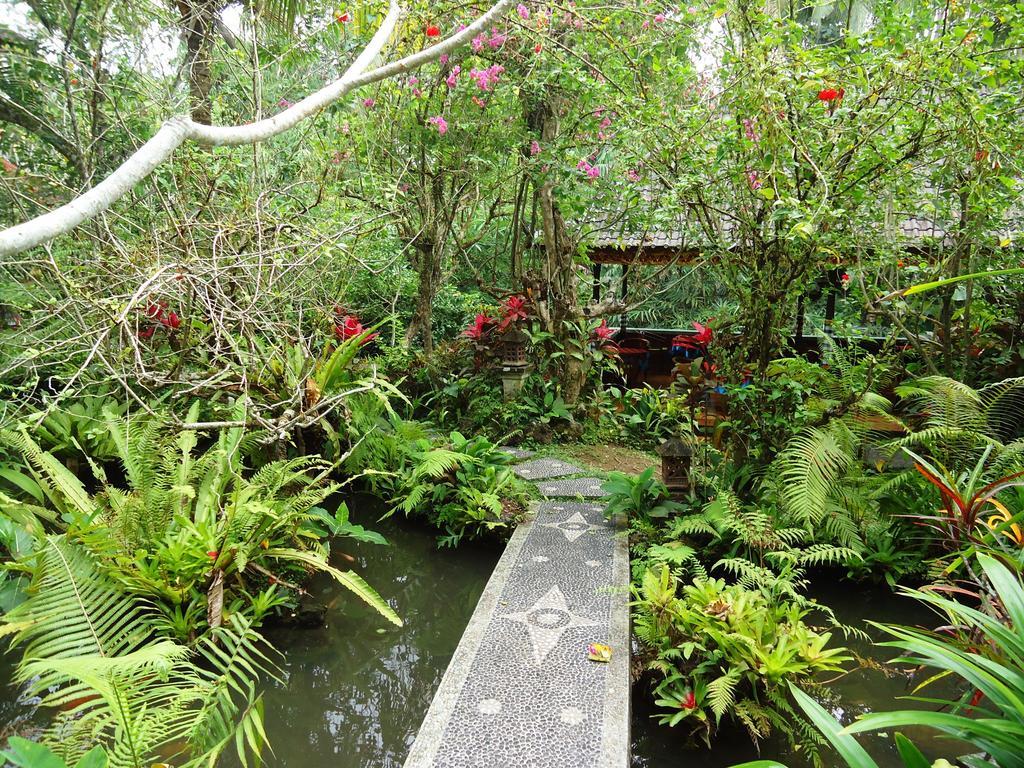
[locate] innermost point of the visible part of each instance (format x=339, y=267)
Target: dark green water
x=357, y=689
x=861, y=691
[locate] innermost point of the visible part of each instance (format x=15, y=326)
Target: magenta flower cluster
x=486, y=79
x=440, y=123
x=592, y=171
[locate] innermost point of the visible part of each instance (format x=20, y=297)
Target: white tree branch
x=177, y=130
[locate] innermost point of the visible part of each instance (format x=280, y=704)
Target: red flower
x=537, y=48
x=829, y=94
x=172, y=320
x=478, y=328
x=513, y=309
x=603, y=332
x=433, y=31
x=975, y=700
x=212, y=554
x=348, y=327
x=154, y=311
x=146, y=333
x=703, y=335
x=845, y=278
x=344, y=18
x=689, y=701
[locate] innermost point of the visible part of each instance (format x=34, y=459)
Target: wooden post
x=625, y=295
x=597, y=282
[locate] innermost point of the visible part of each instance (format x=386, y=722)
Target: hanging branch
x=177, y=130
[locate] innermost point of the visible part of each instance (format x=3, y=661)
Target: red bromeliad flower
x=704, y=334
x=603, y=332
x=478, y=328
x=689, y=701
x=513, y=309
x=348, y=327
x=433, y=31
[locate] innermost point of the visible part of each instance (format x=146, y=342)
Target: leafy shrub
x=642, y=496
x=465, y=488
x=728, y=649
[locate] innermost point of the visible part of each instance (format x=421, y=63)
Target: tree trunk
x=198, y=19
x=429, y=265
x=564, y=313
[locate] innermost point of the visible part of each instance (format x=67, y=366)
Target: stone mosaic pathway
x=520, y=691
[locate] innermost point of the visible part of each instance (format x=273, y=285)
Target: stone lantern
x=512, y=361
x=676, y=457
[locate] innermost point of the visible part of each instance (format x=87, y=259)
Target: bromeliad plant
x=728, y=649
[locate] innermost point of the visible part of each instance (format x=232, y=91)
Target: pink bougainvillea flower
x=486, y=79
x=748, y=130
x=453, y=77
x=754, y=180
x=591, y=171
x=433, y=31
x=440, y=122
x=632, y=175
x=413, y=80
x=659, y=18
x=497, y=39
x=444, y=58
x=478, y=42
x=478, y=328
x=523, y=11
x=416, y=93
x=368, y=103
x=284, y=103
x=479, y=102
x=534, y=148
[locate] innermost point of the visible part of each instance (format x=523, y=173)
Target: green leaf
x=848, y=748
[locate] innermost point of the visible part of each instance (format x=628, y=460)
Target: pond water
x=862, y=690
x=356, y=689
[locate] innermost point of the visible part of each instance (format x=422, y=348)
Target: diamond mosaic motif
x=546, y=621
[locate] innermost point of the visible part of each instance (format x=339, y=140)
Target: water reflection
x=356, y=690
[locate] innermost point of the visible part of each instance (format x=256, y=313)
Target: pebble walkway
x=520, y=691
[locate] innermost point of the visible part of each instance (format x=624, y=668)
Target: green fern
x=93, y=654
x=722, y=691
